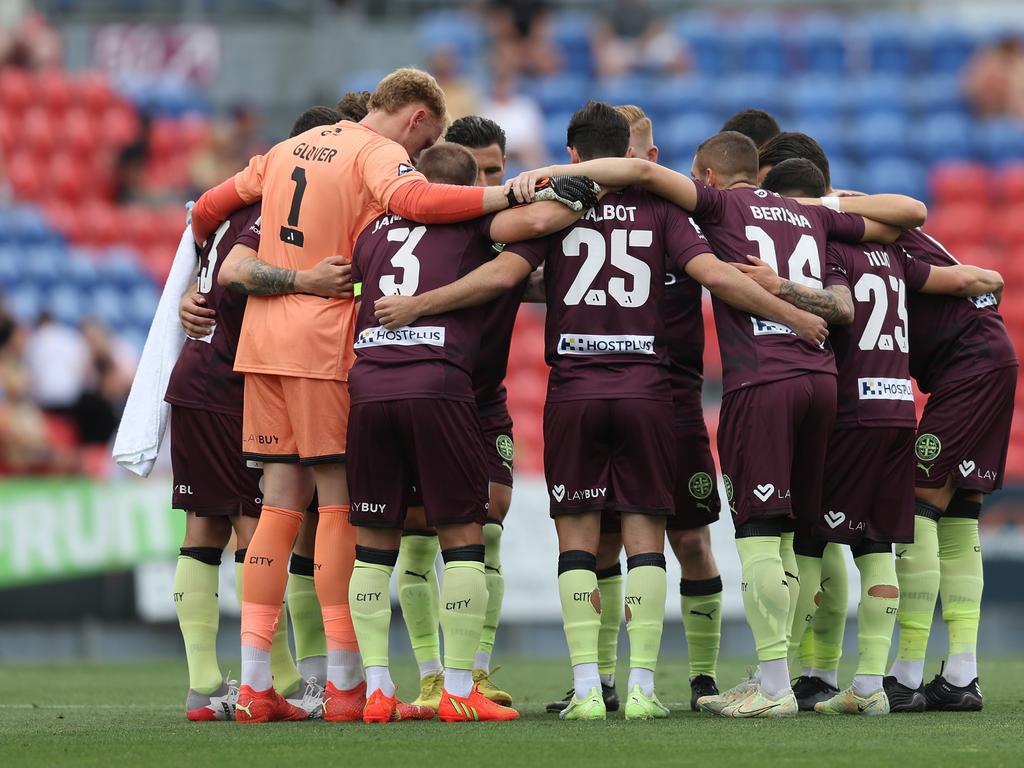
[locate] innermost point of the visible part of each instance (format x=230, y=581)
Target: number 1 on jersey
x=291, y=234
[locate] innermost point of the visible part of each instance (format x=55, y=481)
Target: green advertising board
x=61, y=528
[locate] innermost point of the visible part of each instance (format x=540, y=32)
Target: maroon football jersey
x=604, y=279
x=434, y=357
x=495, y=341
x=684, y=338
x=873, y=352
x=204, y=375
x=791, y=238
x=952, y=338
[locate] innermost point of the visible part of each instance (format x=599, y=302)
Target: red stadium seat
x=1009, y=184
x=53, y=88
x=120, y=124
x=93, y=92
x=1008, y=226
x=194, y=131
x=66, y=177
x=100, y=223
x=961, y=225
x=164, y=137
x=15, y=90
x=25, y=176
x=960, y=183
x=65, y=219
x=78, y=129
x=39, y=131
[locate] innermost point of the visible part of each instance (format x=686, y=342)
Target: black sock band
x=471, y=553
x=760, y=528
x=963, y=508
x=700, y=587
x=655, y=559
x=240, y=555
x=375, y=556
x=301, y=566
x=576, y=560
x=610, y=571
x=871, y=547
x=494, y=521
x=924, y=509
x=208, y=555
x=419, y=532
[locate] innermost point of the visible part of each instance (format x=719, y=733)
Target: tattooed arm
x=244, y=272
x=833, y=304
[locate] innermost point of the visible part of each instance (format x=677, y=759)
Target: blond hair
x=409, y=86
x=639, y=122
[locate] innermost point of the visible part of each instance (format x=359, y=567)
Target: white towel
x=145, y=414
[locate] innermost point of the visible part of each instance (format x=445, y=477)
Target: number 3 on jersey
x=405, y=260
x=639, y=271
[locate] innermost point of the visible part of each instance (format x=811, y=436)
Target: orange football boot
x=384, y=709
x=344, y=706
x=265, y=707
x=472, y=708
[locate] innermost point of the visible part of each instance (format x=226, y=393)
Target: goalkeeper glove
x=577, y=192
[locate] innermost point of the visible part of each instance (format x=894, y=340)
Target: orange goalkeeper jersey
x=319, y=190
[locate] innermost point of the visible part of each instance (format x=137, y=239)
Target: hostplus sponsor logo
x=767, y=328
x=881, y=388
x=984, y=301
x=927, y=448
x=559, y=493
x=429, y=335
x=599, y=344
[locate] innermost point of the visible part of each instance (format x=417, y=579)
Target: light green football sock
x=581, y=614
x=792, y=569
x=611, y=589
x=917, y=570
x=876, y=614
x=806, y=605
x=961, y=582
x=370, y=601
x=702, y=622
x=195, y=600
x=418, y=594
x=463, y=610
x=307, y=621
x=495, y=586
x=765, y=594
x=829, y=623
x=646, y=590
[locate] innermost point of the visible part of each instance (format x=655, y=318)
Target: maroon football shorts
x=210, y=474
x=499, y=449
x=869, y=486
x=696, y=487
x=615, y=455
x=434, y=445
x=965, y=432
x=772, y=440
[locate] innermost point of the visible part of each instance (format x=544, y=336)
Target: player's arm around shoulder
x=833, y=304
x=243, y=271
x=885, y=216
x=963, y=280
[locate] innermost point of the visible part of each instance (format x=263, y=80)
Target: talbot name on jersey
x=777, y=213
x=878, y=388
x=611, y=213
x=314, y=153
x=596, y=344
x=430, y=335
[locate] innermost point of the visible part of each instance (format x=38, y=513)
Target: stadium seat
x=947, y=49
x=684, y=134
x=894, y=174
x=1000, y=141
x=25, y=303
x=939, y=93
x=960, y=226
x=39, y=130
x=877, y=94
x=826, y=130
x=52, y=88
x=878, y=135
x=561, y=93
x=817, y=96
x=960, y=183
x=451, y=29
x=631, y=89
x=66, y=303
x=819, y=43
x=703, y=33
x=16, y=90
x=678, y=95
x=944, y=138
x=570, y=33
x=889, y=43
x=1008, y=228
x=744, y=91
x=1009, y=183
x=756, y=45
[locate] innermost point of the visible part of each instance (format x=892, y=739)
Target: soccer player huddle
x=349, y=337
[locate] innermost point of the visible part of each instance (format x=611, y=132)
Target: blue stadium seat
x=820, y=45
x=108, y=306
x=11, y=271
x=827, y=131
x=744, y=91
x=570, y=33
x=1000, y=141
x=889, y=42
x=451, y=29
x=878, y=94
x=25, y=303
x=682, y=136
x=43, y=263
x=895, y=174
x=944, y=137
x=554, y=136
x=947, y=49
x=703, y=35
x=815, y=96
x=26, y=225
x=631, y=89
x=364, y=80
x=757, y=47
x=879, y=135
x=120, y=268
x=560, y=93
x=938, y=93
x=140, y=304
x=67, y=303
x=845, y=175
x=681, y=94
x=81, y=269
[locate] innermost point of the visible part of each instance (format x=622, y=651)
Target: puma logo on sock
x=709, y=614
x=420, y=575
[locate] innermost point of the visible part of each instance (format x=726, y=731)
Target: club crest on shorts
x=727, y=482
x=927, y=447
x=700, y=485
x=506, y=448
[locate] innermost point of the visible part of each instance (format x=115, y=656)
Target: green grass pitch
x=131, y=715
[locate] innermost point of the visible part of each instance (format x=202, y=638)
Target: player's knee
x=692, y=548
x=213, y=532
x=499, y=502
x=460, y=535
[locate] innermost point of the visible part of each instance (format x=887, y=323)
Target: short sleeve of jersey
x=249, y=180
x=916, y=271
x=710, y=203
x=683, y=238
x=250, y=235
x=845, y=227
x=837, y=270
x=534, y=251
x=385, y=167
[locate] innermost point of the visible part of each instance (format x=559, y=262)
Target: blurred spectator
x=130, y=168
x=521, y=37
x=230, y=144
x=58, y=364
x=24, y=441
x=521, y=119
x=26, y=40
x=443, y=64
x=994, y=82
x=631, y=36
x=112, y=366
